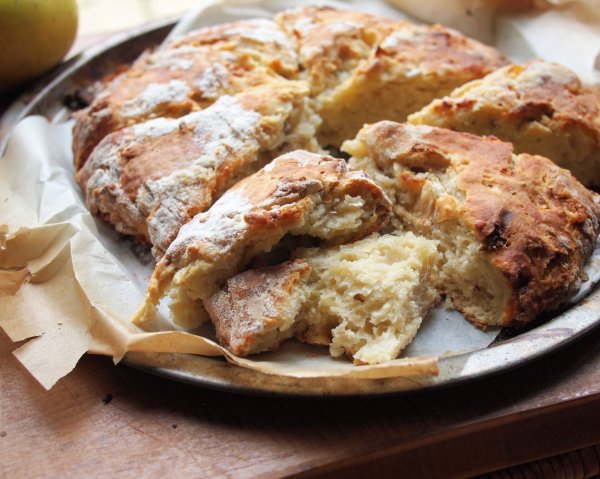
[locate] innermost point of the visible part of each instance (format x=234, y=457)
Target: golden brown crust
x=275, y=200
x=334, y=42
x=529, y=92
x=435, y=49
x=186, y=75
x=151, y=178
x=541, y=107
x=256, y=309
x=540, y=245
x=257, y=40
x=537, y=223
x=253, y=216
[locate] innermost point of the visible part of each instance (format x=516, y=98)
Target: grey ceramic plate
x=48, y=99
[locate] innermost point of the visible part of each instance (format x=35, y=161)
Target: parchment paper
x=70, y=285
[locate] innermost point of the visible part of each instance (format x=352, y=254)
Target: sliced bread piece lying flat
x=365, y=299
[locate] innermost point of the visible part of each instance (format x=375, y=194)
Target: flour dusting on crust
x=213, y=80
x=154, y=95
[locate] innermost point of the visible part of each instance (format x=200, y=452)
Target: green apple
x=34, y=36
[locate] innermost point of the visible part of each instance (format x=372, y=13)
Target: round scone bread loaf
x=515, y=230
x=211, y=150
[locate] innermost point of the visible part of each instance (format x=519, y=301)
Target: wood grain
x=581, y=464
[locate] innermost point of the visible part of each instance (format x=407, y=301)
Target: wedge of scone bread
x=151, y=178
x=298, y=194
x=541, y=108
x=364, y=68
x=515, y=230
x=365, y=300
x=186, y=75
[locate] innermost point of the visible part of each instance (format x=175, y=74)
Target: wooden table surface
x=103, y=420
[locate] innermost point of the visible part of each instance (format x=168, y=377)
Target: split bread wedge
x=515, y=230
x=365, y=300
x=298, y=194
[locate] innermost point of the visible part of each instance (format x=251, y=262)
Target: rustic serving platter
x=52, y=99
